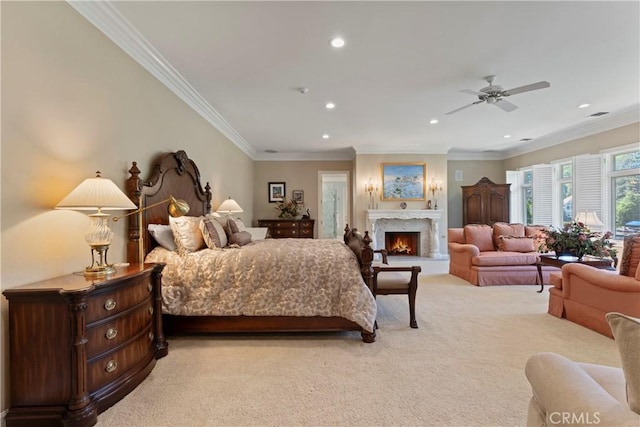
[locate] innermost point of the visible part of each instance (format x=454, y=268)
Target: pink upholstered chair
x=585, y=294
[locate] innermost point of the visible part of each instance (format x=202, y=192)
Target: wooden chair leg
x=412, y=309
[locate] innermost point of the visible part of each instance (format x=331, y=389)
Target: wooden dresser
x=485, y=202
x=283, y=228
x=78, y=345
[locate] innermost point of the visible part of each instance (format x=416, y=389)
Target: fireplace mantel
x=424, y=220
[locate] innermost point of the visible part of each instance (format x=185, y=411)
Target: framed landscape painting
x=403, y=181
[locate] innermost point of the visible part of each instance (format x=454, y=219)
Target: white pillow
x=213, y=233
x=186, y=233
x=626, y=331
x=163, y=235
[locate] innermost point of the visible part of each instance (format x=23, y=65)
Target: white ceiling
x=404, y=63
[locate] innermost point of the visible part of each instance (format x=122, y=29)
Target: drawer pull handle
x=149, y=287
x=111, y=333
x=150, y=311
x=112, y=365
x=110, y=304
x=151, y=336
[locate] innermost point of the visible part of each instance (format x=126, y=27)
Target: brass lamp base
x=101, y=268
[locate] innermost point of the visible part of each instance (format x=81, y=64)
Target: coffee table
x=552, y=260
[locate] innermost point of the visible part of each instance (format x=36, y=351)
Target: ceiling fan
x=494, y=94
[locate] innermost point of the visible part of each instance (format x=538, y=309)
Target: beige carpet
x=464, y=366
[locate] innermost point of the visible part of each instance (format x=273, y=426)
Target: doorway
x=333, y=204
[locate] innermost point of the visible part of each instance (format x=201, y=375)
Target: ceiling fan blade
x=472, y=92
x=526, y=88
x=462, y=108
x=505, y=105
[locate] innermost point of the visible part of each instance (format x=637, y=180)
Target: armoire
x=485, y=202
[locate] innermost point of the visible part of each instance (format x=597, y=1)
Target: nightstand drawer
x=112, y=367
x=102, y=305
x=104, y=336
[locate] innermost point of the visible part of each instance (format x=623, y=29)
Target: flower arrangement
x=576, y=238
x=288, y=208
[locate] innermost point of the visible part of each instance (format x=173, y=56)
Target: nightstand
x=78, y=345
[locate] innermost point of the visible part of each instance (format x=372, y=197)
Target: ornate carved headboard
x=173, y=174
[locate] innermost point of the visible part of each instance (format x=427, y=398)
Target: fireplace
x=402, y=243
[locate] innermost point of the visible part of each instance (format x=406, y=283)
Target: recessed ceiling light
x=330, y=106
x=585, y=105
x=337, y=42
x=325, y=136
x=433, y=121
x=507, y=136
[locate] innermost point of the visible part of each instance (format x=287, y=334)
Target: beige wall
x=369, y=166
x=301, y=175
x=592, y=144
x=74, y=103
x=472, y=171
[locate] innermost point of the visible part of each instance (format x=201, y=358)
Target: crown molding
x=591, y=126
x=109, y=21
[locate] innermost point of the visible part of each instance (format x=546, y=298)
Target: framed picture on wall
x=276, y=192
x=403, y=181
x=297, y=196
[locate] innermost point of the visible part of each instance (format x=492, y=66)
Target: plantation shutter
x=543, y=195
x=587, y=194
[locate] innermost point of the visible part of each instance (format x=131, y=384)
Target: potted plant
x=288, y=208
x=577, y=240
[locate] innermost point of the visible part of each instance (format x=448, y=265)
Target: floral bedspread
x=271, y=277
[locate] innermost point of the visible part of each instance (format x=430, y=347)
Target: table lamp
x=97, y=194
x=229, y=206
x=590, y=220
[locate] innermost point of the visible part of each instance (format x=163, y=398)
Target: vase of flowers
x=288, y=209
x=577, y=240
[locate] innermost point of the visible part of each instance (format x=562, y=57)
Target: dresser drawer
x=105, y=304
x=113, y=366
x=306, y=232
x=284, y=232
x=103, y=336
x=284, y=224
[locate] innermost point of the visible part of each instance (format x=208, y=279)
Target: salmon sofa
x=502, y=254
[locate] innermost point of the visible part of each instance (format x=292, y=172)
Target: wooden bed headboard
x=173, y=174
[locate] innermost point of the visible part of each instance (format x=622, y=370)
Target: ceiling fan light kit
x=494, y=94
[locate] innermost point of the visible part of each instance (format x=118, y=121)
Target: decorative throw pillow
x=630, y=255
x=353, y=239
x=235, y=225
x=539, y=234
x=626, y=331
x=516, y=244
x=479, y=235
x=163, y=235
x=186, y=233
x=213, y=233
x=240, y=238
x=504, y=229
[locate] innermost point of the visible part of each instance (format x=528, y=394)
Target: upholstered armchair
x=585, y=394
x=586, y=294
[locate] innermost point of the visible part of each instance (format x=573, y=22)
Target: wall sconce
x=371, y=188
x=435, y=186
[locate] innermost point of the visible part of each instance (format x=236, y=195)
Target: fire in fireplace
x=402, y=243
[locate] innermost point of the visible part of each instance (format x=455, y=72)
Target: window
x=625, y=192
x=565, y=179
x=527, y=195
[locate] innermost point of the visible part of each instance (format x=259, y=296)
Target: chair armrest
x=382, y=252
x=561, y=386
x=607, y=279
x=462, y=253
